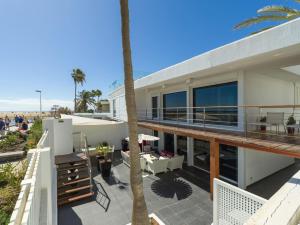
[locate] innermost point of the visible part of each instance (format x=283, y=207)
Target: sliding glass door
x=155, y=108
x=174, y=106
x=220, y=102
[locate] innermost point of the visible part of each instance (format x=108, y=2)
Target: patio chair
x=157, y=166
x=175, y=162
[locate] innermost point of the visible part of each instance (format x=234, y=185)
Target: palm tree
x=97, y=93
x=139, y=211
x=85, y=99
x=79, y=78
x=271, y=13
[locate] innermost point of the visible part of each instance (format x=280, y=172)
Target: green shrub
x=35, y=134
x=11, y=176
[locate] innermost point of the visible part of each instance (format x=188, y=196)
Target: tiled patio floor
x=173, y=196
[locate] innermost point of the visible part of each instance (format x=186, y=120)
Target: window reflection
x=174, y=106
x=216, y=95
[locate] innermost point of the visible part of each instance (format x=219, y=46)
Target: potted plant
x=105, y=161
x=263, y=120
x=291, y=121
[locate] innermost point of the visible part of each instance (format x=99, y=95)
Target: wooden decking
x=253, y=141
x=260, y=142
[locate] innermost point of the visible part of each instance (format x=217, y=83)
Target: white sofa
x=175, y=162
x=157, y=166
x=126, y=160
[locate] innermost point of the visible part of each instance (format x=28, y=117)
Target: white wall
x=96, y=134
x=265, y=88
x=60, y=135
x=119, y=97
x=261, y=164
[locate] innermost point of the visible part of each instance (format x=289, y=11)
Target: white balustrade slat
x=232, y=205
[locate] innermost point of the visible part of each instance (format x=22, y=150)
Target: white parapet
x=283, y=208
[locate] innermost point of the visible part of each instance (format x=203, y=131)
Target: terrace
x=178, y=197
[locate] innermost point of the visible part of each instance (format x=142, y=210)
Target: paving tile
x=194, y=208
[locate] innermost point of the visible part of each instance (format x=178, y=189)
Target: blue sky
x=42, y=41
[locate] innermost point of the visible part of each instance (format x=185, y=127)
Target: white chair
x=157, y=166
x=175, y=162
x=125, y=157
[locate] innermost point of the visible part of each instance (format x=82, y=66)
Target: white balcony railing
x=232, y=205
x=28, y=206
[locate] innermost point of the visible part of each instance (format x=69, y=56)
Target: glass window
x=182, y=146
x=169, y=142
x=216, y=95
x=154, y=107
x=174, y=105
x=228, y=162
x=202, y=154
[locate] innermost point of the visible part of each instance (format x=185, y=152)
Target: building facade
x=230, y=89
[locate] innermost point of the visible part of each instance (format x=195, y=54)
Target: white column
x=241, y=100
x=241, y=168
x=190, y=151
x=175, y=144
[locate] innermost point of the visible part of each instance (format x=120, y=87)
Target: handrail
x=29, y=196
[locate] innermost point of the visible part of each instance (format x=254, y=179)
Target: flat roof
x=275, y=45
x=78, y=120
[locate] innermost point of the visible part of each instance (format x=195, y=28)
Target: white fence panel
x=27, y=208
x=232, y=205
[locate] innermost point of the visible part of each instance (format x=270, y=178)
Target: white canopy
x=145, y=137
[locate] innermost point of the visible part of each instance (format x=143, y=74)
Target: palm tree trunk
x=139, y=211
x=75, y=100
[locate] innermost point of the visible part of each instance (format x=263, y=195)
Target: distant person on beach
x=7, y=122
x=16, y=120
x=21, y=119
x=2, y=127
x=24, y=126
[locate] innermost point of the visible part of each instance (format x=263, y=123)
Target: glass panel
x=182, y=146
x=228, y=162
x=169, y=142
x=154, y=107
x=175, y=106
x=201, y=154
x=216, y=95
x=155, y=133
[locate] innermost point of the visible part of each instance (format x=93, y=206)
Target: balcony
x=280, y=123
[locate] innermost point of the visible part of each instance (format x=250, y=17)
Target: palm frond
x=260, y=19
x=298, y=1
x=278, y=9
x=261, y=30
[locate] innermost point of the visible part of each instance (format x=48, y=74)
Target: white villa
x=227, y=112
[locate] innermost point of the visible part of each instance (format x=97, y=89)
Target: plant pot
x=105, y=166
x=291, y=130
x=263, y=128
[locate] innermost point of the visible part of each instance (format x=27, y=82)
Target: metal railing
x=254, y=120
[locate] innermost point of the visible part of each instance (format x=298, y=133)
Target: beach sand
x=28, y=115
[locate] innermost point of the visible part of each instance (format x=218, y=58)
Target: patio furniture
x=273, y=119
x=175, y=162
x=126, y=160
x=295, y=126
x=125, y=157
x=157, y=166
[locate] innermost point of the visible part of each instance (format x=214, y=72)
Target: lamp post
x=39, y=91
